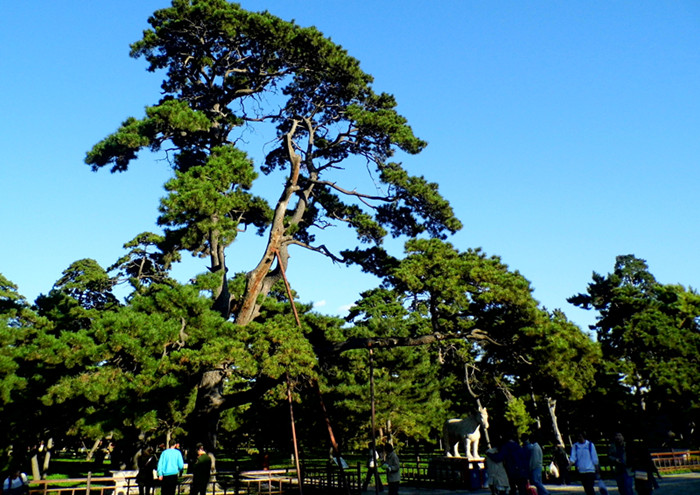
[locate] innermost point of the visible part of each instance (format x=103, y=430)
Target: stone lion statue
x=468, y=430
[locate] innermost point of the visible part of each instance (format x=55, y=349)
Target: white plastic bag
x=553, y=469
x=602, y=489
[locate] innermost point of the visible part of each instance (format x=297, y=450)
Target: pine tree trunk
x=95, y=446
x=36, y=473
x=552, y=406
x=205, y=420
x=47, y=456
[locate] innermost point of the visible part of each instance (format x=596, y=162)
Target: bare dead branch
x=359, y=195
x=319, y=249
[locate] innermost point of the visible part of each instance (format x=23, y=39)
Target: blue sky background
x=563, y=133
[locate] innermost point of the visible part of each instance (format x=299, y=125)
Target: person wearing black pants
x=170, y=467
x=585, y=458
x=372, y=471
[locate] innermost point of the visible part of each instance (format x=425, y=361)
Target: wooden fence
x=445, y=472
x=324, y=478
x=675, y=461
x=273, y=483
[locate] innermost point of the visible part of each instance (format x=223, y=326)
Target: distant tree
x=83, y=291
x=148, y=261
x=517, y=415
x=88, y=284
x=560, y=368
x=650, y=338
x=492, y=334
x=22, y=378
x=408, y=404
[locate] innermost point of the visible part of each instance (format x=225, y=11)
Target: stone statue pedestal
x=459, y=472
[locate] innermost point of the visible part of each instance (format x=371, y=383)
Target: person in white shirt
x=585, y=458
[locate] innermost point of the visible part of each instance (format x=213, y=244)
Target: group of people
x=633, y=466
x=389, y=461
x=168, y=468
x=513, y=467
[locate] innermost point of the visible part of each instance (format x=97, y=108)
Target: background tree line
x=215, y=358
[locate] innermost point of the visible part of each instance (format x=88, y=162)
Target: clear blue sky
x=563, y=133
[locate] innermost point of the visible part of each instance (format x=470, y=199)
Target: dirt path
x=677, y=484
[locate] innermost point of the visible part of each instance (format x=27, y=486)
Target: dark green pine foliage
x=147, y=261
x=650, y=338
x=134, y=370
x=407, y=387
x=17, y=333
x=494, y=343
x=30, y=363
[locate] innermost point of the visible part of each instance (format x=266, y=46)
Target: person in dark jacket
x=516, y=462
x=148, y=462
x=618, y=457
x=561, y=461
x=644, y=468
x=392, y=465
x=201, y=472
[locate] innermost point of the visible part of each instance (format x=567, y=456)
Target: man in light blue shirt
x=170, y=466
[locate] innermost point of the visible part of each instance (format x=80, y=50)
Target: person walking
x=372, y=470
x=170, y=467
x=535, y=472
x=498, y=478
x=561, y=462
x=644, y=468
x=617, y=454
x=148, y=462
x=201, y=472
x=585, y=458
x=392, y=465
x=514, y=458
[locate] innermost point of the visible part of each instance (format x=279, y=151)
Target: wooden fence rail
x=445, y=472
x=222, y=483
x=673, y=461
x=324, y=477
x=317, y=477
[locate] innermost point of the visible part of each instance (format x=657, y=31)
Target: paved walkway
x=677, y=484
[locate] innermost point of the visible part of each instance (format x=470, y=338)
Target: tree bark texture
x=552, y=406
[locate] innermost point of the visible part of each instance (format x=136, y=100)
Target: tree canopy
x=650, y=337
x=230, y=72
